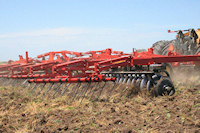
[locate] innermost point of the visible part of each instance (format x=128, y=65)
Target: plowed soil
x=126, y=110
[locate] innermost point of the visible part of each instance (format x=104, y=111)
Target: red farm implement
x=66, y=70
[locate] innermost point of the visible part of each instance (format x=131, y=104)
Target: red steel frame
x=88, y=68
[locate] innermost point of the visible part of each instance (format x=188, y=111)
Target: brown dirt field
x=125, y=111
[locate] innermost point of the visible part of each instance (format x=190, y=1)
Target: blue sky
x=40, y=26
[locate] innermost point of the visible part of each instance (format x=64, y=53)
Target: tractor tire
x=198, y=51
x=158, y=47
x=197, y=67
x=161, y=47
x=159, y=89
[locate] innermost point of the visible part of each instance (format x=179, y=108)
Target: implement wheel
x=164, y=86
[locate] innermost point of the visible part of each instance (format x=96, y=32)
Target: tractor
x=185, y=43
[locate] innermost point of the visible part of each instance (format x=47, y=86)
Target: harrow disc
x=139, y=80
x=164, y=85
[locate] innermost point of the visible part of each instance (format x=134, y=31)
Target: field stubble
x=125, y=111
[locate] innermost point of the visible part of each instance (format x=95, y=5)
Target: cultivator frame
x=141, y=69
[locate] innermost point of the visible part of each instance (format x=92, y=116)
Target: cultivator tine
x=14, y=83
x=42, y=87
x=63, y=91
x=85, y=92
x=101, y=90
x=20, y=82
x=8, y=82
x=81, y=91
x=36, y=85
x=111, y=91
x=94, y=90
x=24, y=84
x=50, y=86
x=57, y=90
x=1, y=79
x=24, y=81
x=73, y=88
x=26, y=88
x=5, y=81
x=90, y=90
x=75, y=92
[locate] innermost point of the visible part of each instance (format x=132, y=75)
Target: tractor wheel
x=158, y=47
x=164, y=85
x=161, y=47
x=198, y=51
x=197, y=65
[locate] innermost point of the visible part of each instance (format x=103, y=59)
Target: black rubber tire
x=198, y=51
x=161, y=47
x=159, y=88
x=197, y=67
x=158, y=46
